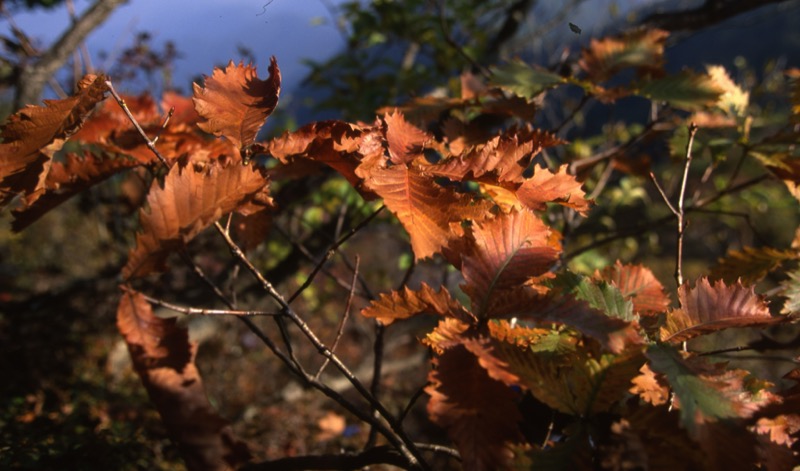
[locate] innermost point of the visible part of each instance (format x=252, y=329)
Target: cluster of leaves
x=602, y=351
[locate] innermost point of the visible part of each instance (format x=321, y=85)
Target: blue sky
x=207, y=32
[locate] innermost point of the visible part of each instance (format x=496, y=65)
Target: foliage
x=605, y=352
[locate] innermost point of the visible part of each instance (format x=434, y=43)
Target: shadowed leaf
x=750, y=264
x=234, y=102
x=524, y=80
x=164, y=359
x=642, y=49
x=479, y=413
x=686, y=90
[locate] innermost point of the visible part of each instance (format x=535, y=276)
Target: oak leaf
x=234, y=102
x=478, y=412
x=709, y=308
x=164, y=358
x=32, y=135
x=190, y=200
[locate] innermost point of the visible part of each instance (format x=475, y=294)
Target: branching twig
x=150, y=144
x=343, y=321
x=681, y=211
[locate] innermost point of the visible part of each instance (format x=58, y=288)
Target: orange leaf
x=431, y=214
x=643, y=49
x=190, y=200
x=448, y=334
x=650, y=387
x=546, y=187
x=408, y=303
x=507, y=156
x=479, y=413
x=405, y=140
x=708, y=308
x=234, y=102
x=503, y=253
x=65, y=180
x=164, y=359
x=33, y=134
x=638, y=284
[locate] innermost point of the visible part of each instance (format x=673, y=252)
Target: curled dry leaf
x=478, y=412
x=164, y=359
x=191, y=199
x=408, y=303
x=33, y=134
x=234, y=102
x=709, y=308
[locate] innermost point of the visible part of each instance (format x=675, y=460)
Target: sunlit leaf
x=734, y=100
x=649, y=387
x=405, y=141
x=234, y=102
x=190, y=200
x=547, y=187
x=164, y=359
x=642, y=49
x=709, y=308
x=686, y=90
x=33, y=134
x=407, y=303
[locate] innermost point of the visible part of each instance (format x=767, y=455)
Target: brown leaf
x=547, y=187
x=408, y=303
x=406, y=141
x=479, y=413
x=164, y=359
x=191, y=199
x=642, y=49
x=750, y=264
x=431, y=214
x=449, y=333
x=708, y=308
x=33, y=134
x=638, y=284
x=505, y=252
x=651, y=388
x=68, y=178
x=234, y=102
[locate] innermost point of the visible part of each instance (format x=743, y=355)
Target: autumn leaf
x=708, y=308
x=190, y=200
x=642, y=49
x=405, y=141
x=638, y=284
x=164, y=359
x=503, y=253
x=524, y=80
x=68, y=178
x=234, y=102
x=431, y=214
x=750, y=264
x=649, y=387
x=548, y=187
x=33, y=134
x=479, y=413
x=407, y=303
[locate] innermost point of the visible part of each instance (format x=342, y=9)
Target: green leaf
x=686, y=90
x=524, y=80
x=696, y=394
x=791, y=290
x=598, y=294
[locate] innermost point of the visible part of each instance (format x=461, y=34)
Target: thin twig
x=439, y=4
x=396, y=434
x=150, y=144
x=343, y=321
x=681, y=211
x=164, y=124
x=663, y=195
x=206, y=312
x=418, y=394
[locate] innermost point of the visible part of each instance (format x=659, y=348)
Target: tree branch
x=709, y=14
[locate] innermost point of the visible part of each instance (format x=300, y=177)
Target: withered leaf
x=638, y=284
x=548, y=187
x=191, y=199
x=164, y=359
x=407, y=303
x=234, y=102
